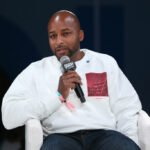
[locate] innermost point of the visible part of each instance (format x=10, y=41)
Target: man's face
x=64, y=36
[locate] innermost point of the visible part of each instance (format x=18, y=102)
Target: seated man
x=105, y=118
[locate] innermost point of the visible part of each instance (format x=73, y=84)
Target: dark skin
x=64, y=38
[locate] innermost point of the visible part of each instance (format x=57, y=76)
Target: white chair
x=144, y=130
x=34, y=133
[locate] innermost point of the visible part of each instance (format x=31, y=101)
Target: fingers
x=68, y=76
x=71, y=77
x=71, y=81
x=67, y=81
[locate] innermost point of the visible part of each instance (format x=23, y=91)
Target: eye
x=52, y=36
x=66, y=33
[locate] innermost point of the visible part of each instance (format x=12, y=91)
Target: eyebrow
x=66, y=29
x=51, y=32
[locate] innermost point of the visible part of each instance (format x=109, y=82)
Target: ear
x=81, y=35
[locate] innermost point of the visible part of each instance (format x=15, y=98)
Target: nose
x=59, y=40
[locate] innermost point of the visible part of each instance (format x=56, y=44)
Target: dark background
x=120, y=28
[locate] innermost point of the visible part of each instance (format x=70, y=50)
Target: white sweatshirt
x=111, y=101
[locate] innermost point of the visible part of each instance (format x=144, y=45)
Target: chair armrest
x=144, y=130
x=33, y=135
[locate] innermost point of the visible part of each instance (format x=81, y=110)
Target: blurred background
x=120, y=28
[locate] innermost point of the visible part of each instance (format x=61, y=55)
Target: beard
x=71, y=53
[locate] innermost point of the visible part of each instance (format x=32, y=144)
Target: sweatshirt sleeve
x=22, y=103
x=124, y=102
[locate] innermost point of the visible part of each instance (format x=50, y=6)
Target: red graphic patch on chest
x=97, y=84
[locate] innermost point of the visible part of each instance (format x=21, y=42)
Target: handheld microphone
x=67, y=65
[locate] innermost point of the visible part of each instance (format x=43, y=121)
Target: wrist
x=61, y=98
x=68, y=104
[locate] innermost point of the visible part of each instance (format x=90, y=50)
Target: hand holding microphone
x=67, y=81
x=70, y=79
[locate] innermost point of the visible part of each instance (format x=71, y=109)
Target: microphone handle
x=79, y=92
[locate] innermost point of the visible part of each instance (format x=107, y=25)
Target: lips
x=61, y=52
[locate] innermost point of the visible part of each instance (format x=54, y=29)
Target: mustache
x=60, y=47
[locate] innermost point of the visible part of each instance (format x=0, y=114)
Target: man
x=108, y=118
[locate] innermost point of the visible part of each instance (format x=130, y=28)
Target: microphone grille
x=64, y=59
